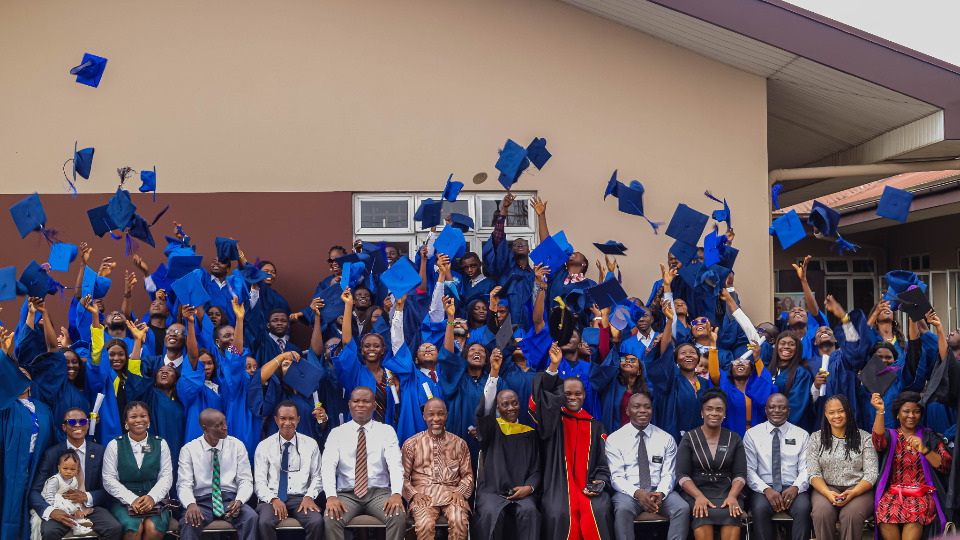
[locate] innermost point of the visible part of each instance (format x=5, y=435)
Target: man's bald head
x=214, y=425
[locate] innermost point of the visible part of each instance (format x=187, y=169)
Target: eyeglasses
x=74, y=422
x=740, y=361
x=629, y=360
x=175, y=332
x=427, y=347
x=699, y=321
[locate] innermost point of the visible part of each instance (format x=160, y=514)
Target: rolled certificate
x=393, y=388
x=316, y=402
x=95, y=414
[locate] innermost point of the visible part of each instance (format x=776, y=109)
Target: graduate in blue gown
x=218, y=287
x=678, y=388
x=792, y=377
x=509, y=264
x=844, y=360
x=747, y=388
x=884, y=326
x=266, y=345
x=335, y=251
x=462, y=378
x=199, y=385
x=331, y=394
x=475, y=284
x=276, y=390
x=24, y=435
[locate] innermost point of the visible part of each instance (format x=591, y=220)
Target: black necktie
x=777, y=483
x=643, y=463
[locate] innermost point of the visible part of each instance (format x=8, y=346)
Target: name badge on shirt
x=789, y=441
x=657, y=459
x=722, y=448
x=147, y=449
x=426, y=390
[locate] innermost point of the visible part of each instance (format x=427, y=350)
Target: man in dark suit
x=57, y=523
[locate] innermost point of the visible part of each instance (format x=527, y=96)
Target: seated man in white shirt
x=214, y=480
x=287, y=476
x=365, y=482
x=642, y=458
x=777, y=471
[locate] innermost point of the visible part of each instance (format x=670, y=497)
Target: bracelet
x=845, y=319
x=277, y=360
x=928, y=452
x=451, y=323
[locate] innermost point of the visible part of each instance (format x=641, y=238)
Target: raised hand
x=106, y=266
x=555, y=356
x=347, y=297
x=91, y=306
x=449, y=307
x=802, y=268
x=238, y=309
x=541, y=271
x=668, y=274
x=85, y=252
x=316, y=305
x=139, y=262
x=539, y=206
x=189, y=313
x=611, y=262
x=139, y=331
x=129, y=279
x=507, y=201
x=877, y=403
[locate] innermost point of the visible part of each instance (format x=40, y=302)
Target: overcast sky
x=928, y=26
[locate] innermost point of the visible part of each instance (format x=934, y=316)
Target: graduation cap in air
x=378, y=258
x=140, y=229
x=226, y=249
x=788, y=229
x=720, y=215
x=8, y=283
x=90, y=69
x=824, y=219
x=537, y=152
x=562, y=324
x=350, y=274
x=613, y=187
x=61, y=255
x=894, y=204
x=877, y=377
x=461, y=221
x=504, y=337
x=611, y=247
x=94, y=285
x=690, y=272
x=914, y=302
x=714, y=278
x=511, y=163
x=401, y=277
x=450, y=242
x=120, y=208
x=591, y=336
x=28, y=216
x=716, y=250
x=549, y=253
x=899, y=281
x=631, y=202
x=82, y=162
x=179, y=265
x=687, y=225
x=684, y=252
x=100, y=221
x=251, y=274
x=451, y=190
x=428, y=213
x=148, y=181
x=622, y=318
x=303, y=376
x=607, y=294
x=560, y=238
x=34, y=281
x=190, y=290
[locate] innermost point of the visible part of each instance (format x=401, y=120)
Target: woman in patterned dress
x=911, y=457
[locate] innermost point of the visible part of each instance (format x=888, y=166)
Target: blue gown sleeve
x=799, y=396
x=29, y=344
x=601, y=375
x=497, y=258
x=452, y=367
x=347, y=366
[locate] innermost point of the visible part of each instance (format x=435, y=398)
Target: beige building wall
x=379, y=95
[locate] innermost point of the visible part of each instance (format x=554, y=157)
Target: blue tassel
x=842, y=245
x=775, y=194
x=50, y=235
x=710, y=196
x=115, y=237
x=73, y=188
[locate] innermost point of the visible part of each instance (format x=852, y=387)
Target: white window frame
x=358, y=198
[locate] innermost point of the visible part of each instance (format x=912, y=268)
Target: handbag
x=902, y=491
x=158, y=508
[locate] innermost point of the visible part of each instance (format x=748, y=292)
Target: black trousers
x=312, y=522
x=104, y=524
x=762, y=512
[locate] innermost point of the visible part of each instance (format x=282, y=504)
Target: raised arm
x=666, y=306
x=396, y=326
x=540, y=207
x=193, y=351
x=129, y=279
x=450, y=309
x=423, y=268
x=934, y=322
x=238, y=311
x=316, y=338
x=713, y=363
x=91, y=306
x=811, y=302
x=85, y=252
x=346, y=330
x=49, y=334
x=540, y=271
x=139, y=332
x=271, y=367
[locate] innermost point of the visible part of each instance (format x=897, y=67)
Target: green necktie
x=216, y=496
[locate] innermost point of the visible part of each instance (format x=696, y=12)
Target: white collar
x=277, y=339
x=206, y=446
x=477, y=279
x=641, y=337
x=176, y=361
x=82, y=448
x=783, y=428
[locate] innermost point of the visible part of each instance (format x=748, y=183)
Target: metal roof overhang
x=835, y=95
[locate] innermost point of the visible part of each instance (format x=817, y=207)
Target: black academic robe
x=932, y=477
x=588, y=462
x=510, y=459
x=944, y=387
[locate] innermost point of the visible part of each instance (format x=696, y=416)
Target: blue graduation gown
x=678, y=402
x=256, y=318
x=480, y=290
x=757, y=391
x=220, y=296
x=266, y=349
x=332, y=394
x=324, y=283
x=19, y=465
x=813, y=323
x=844, y=365
x=263, y=399
x=415, y=389
x=801, y=413
x=196, y=396
x=353, y=373
x=50, y=386
x=915, y=366
x=462, y=396
x=234, y=381
x=556, y=286
x=499, y=261
x=611, y=394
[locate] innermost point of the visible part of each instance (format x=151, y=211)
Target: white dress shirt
x=303, y=466
x=384, y=463
x=622, y=448
x=758, y=445
x=195, y=475
x=111, y=480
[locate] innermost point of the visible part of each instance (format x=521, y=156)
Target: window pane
x=863, y=295
x=915, y=262
x=864, y=266
x=383, y=214
x=813, y=265
x=517, y=217
x=456, y=207
x=925, y=262
x=837, y=266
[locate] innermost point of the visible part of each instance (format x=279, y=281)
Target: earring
x=126, y=427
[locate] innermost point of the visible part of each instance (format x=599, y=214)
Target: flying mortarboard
x=8, y=283
x=461, y=221
x=607, y=294
x=226, y=249
x=303, y=376
x=713, y=247
x=537, y=152
x=428, y=213
x=899, y=281
x=562, y=324
x=401, y=277
x=824, y=219
x=613, y=187
x=61, y=255
x=120, y=209
x=684, y=252
x=549, y=253
x=788, y=229
x=621, y=318
x=877, y=377
x=690, y=272
x=148, y=181
x=34, y=281
x=28, y=215
x=190, y=290
x=511, y=163
x=100, y=221
x=714, y=278
x=914, y=302
x=180, y=265
x=94, y=285
x=611, y=247
x=82, y=161
x=591, y=336
x=450, y=242
x=140, y=229
x=631, y=202
x=451, y=190
x=894, y=204
x=90, y=70
x=687, y=225
x=720, y=215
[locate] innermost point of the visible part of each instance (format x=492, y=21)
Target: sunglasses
x=74, y=422
x=699, y=321
x=175, y=332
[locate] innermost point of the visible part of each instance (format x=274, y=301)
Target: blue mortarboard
x=549, y=253
x=613, y=187
x=631, y=202
x=190, y=290
x=381, y=327
x=576, y=300
x=251, y=274
x=898, y=282
x=363, y=257
x=303, y=376
x=94, y=285
x=140, y=229
x=511, y=163
x=823, y=218
x=450, y=242
x=537, y=152
x=451, y=190
x=34, y=281
x=350, y=274
x=90, y=70
x=461, y=221
x=8, y=283
x=684, y=252
x=591, y=336
x=82, y=162
x=607, y=294
x=180, y=265
x=377, y=262
x=788, y=229
x=690, y=272
x=687, y=225
x=429, y=213
x=100, y=221
x=148, y=181
x=621, y=318
x=120, y=209
x=714, y=278
x=561, y=238
x=611, y=248
x=720, y=215
x=401, y=277
x=332, y=305
x=728, y=255
x=894, y=204
x=226, y=249
x=61, y=255
x=28, y=215
x=711, y=247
